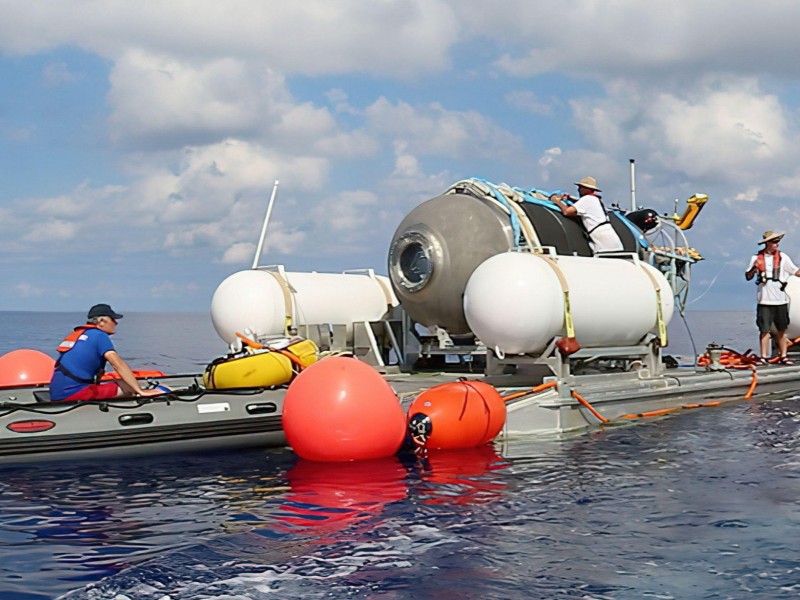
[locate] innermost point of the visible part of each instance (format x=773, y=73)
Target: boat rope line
x=710, y=285
x=487, y=409
x=731, y=359
x=682, y=313
x=591, y=408
x=530, y=392
x=666, y=411
x=753, y=383
x=629, y=416
x=58, y=408
x=259, y=346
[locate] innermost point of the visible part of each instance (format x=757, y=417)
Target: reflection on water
x=460, y=476
x=330, y=496
x=700, y=504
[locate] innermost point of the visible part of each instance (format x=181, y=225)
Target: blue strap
x=498, y=195
x=528, y=196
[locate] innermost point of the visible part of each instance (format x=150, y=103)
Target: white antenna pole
x=633, y=185
x=264, y=226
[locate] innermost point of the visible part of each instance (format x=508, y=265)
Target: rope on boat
x=666, y=411
x=753, y=383
x=742, y=361
x=591, y=408
x=731, y=359
x=59, y=408
x=552, y=384
x=530, y=392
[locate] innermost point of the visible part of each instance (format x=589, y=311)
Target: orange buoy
x=25, y=367
x=461, y=414
x=339, y=409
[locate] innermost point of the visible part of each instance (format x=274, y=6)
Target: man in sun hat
x=589, y=207
x=82, y=360
x=773, y=269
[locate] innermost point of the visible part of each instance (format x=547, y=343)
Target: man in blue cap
x=82, y=360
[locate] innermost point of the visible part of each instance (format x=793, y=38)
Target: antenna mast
x=260, y=246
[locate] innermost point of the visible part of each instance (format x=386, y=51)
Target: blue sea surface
x=699, y=504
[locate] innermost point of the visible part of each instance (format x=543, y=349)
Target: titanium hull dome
x=435, y=250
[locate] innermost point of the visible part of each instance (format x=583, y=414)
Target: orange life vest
x=761, y=265
x=69, y=342
x=67, y=345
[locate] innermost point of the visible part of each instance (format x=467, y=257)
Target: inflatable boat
x=188, y=418
x=236, y=403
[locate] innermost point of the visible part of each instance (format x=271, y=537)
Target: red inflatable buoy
x=25, y=367
x=342, y=409
x=461, y=414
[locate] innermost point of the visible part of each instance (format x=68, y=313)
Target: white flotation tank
x=264, y=300
x=793, y=291
x=514, y=302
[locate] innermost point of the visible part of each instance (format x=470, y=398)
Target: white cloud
x=642, y=40
x=434, y=130
x=51, y=231
x=27, y=290
x=57, y=73
x=211, y=180
x=311, y=37
x=720, y=131
x=347, y=213
x=161, y=101
x=549, y=156
x=239, y=253
x=529, y=102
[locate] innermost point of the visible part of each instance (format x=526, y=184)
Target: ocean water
x=700, y=504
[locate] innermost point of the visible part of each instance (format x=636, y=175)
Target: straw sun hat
x=771, y=236
x=590, y=183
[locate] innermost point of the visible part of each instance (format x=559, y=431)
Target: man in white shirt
x=593, y=215
x=773, y=269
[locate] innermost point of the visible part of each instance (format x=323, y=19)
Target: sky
x=140, y=141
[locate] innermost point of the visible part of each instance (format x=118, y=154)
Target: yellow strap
x=568, y=324
x=662, y=326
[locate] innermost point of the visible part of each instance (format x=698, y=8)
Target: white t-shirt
x=592, y=214
x=771, y=292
